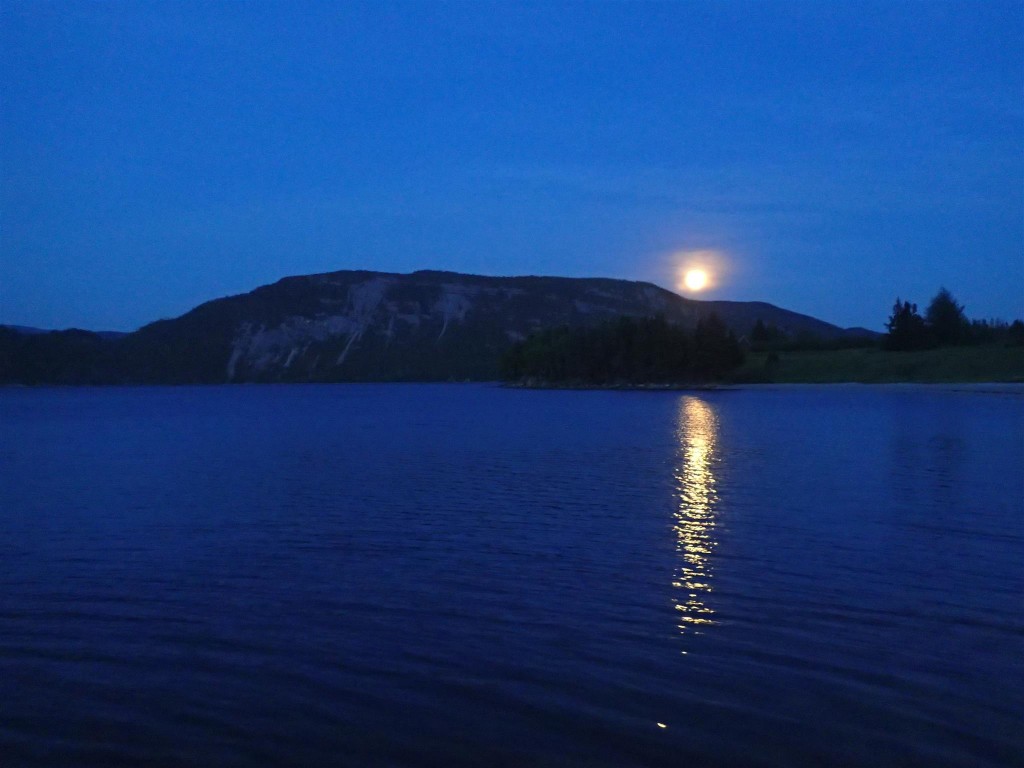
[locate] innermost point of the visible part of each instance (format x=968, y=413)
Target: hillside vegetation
x=625, y=352
x=873, y=365
x=366, y=326
x=442, y=326
x=941, y=346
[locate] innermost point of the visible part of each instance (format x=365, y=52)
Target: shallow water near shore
x=447, y=575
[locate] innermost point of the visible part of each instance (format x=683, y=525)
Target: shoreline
x=995, y=386
x=979, y=387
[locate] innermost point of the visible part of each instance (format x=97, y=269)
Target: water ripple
x=419, y=576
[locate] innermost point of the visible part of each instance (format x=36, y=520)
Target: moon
x=695, y=279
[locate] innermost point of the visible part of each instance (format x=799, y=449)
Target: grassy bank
x=871, y=365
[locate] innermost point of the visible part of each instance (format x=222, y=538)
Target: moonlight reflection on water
x=407, y=575
x=695, y=514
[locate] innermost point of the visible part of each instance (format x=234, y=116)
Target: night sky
x=824, y=158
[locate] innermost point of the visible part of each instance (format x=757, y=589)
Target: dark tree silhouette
x=716, y=351
x=765, y=336
x=626, y=351
x=945, y=319
x=906, y=328
x=1015, y=334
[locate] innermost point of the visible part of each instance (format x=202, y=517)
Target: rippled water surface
x=469, y=575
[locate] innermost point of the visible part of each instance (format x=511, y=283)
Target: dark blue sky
x=158, y=155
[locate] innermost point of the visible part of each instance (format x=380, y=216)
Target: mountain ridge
x=363, y=325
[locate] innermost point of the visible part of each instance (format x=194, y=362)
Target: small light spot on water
x=662, y=725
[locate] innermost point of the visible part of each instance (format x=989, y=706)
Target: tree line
x=943, y=324
x=626, y=351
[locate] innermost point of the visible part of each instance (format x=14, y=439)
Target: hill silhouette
x=367, y=326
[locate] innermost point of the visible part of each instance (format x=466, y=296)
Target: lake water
x=439, y=575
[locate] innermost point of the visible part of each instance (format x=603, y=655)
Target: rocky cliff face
x=371, y=326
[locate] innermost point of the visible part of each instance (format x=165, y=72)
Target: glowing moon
x=695, y=279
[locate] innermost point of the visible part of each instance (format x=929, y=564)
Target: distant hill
x=365, y=326
x=29, y=330
x=25, y=329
